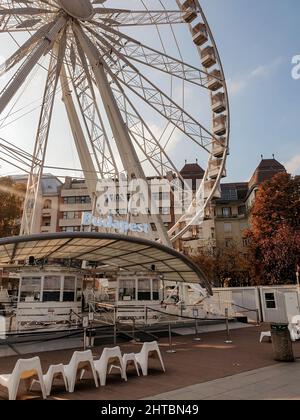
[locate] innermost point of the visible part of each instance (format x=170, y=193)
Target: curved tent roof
x=116, y=251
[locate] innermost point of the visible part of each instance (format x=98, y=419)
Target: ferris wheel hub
x=79, y=9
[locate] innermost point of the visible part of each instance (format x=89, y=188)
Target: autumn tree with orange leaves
x=11, y=198
x=275, y=231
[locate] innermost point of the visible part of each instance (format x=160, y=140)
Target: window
x=227, y=227
x=69, y=289
x=155, y=289
x=30, y=289
x=229, y=194
x=78, y=200
x=144, y=289
x=226, y=212
x=67, y=215
x=46, y=221
x=127, y=290
x=213, y=233
x=47, y=204
x=52, y=286
x=242, y=210
x=270, y=301
x=164, y=210
x=243, y=226
x=228, y=243
x=153, y=227
x=70, y=229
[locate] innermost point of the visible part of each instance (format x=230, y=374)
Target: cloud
x=293, y=165
x=235, y=86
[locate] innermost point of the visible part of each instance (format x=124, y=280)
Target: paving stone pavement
x=277, y=382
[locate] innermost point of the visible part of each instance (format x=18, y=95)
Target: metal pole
x=257, y=318
x=133, y=329
x=146, y=317
x=196, y=338
x=171, y=349
x=115, y=334
x=84, y=339
x=115, y=327
x=228, y=338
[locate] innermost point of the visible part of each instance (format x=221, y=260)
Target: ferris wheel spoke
x=42, y=47
x=122, y=137
x=34, y=181
x=24, y=50
x=142, y=135
x=119, y=17
x=25, y=11
x=21, y=19
x=132, y=78
x=84, y=155
x=153, y=58
x=86, y=98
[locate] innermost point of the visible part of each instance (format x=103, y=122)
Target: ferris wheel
x=119, y=70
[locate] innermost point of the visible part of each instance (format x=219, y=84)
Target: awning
x=115, y=251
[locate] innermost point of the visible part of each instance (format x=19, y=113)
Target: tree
x=225, y=265
x=275, y=231
x=11, y=199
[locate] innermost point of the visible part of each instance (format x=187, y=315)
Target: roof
x=192, y=170
x=117, y=251
x=265, y=171
x=234, y=191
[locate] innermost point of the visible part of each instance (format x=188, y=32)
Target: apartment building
x=227, y=219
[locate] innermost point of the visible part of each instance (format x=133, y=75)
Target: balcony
x=208, y=57
x=215, y=80
x=189, y=11
x=218, y=147
x=220, y=125
x=199, y=33
x=218, y=103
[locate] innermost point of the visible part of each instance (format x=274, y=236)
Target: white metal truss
x=29, y=220
x=151, y=57
x=83, y=87
x=122, y=138
x=93, y=57
x=126, y=73
x=119, y=17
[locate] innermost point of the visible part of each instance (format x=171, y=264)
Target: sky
x=256, y=42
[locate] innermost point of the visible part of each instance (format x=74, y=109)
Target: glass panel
x=69, y=289
x=30, y=289
x=52, y=285
x=127, y=290
x=270, y=300
x=144, y=289
x=155, y=288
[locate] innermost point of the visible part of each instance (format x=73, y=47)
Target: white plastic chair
x=265, y=334
x=111, y=358
x=54, y=372
x=130, y=359
x=149, y=350
x=81, y=362
x=294, y=328
x=27, y=370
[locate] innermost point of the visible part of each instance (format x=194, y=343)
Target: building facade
x=61, y=206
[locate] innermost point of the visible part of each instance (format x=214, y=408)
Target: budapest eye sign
x=109, y=223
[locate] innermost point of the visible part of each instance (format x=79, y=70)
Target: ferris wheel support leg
x=127, y=151
x=21, y=75
x=79, y=137
x=33, y=201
